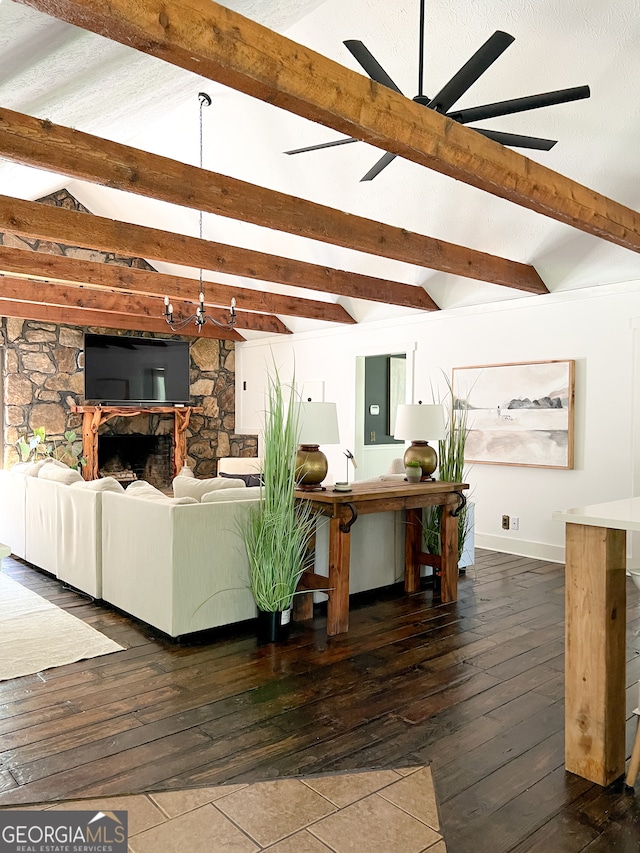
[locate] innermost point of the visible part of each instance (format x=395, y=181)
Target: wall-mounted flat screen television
x=123, y=370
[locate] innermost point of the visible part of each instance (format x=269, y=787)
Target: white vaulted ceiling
x=49, y=69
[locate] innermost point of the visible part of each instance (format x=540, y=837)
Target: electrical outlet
x=515, y=522
x=505, y=522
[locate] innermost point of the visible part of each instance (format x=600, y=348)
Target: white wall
x=594, y=327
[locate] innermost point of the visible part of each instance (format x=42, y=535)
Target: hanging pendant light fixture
x=200, y=317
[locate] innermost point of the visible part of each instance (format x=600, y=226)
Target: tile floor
x=384, y=811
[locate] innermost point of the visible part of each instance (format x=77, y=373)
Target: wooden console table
x=343, y=509
x=595, y=631
x=94, y=416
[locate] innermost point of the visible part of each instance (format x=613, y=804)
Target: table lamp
x=418, y=420
x=317, y=424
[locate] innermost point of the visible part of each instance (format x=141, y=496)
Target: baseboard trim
x=521, y=547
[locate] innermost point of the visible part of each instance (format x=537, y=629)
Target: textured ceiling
x=49, y=69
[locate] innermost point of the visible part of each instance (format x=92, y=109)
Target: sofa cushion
x=250, y=480
x=57, y=462
x=35, y=468
x=104, y=484
x=221, y=495
x=144, y=490
x=32, y=469
x=139, y=486
x=22, y=467
x=59, y=475
x=164, y=499
x=397, y=466
x=185, y=486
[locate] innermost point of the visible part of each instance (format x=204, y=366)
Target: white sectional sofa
x=51, y=517
x=177, y=563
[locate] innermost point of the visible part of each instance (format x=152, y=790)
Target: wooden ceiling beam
x=79, y=296
x=40, y=143
x=221, y=45
x=62, y=269
x=57, y=224
x=103, y=319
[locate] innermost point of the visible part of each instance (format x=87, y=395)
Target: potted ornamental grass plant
x=451, y=469
x=278, y=529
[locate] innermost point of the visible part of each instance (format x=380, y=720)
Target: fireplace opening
x=137, y=457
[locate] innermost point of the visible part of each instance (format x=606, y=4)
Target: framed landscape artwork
x=518, y=414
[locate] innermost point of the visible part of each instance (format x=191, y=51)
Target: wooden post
x=595, y=652
x=339, y=559
x=180, y=424
x=303, y=606
x=412, y=549
x=303, y=602
x=89, y=447
x=449, y=553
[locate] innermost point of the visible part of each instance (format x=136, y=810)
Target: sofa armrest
x=42, y=523
x=79, y=540
x=13, y=511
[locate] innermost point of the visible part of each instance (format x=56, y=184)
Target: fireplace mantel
x=94, y=416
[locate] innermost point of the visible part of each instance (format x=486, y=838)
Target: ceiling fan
x=453, y=91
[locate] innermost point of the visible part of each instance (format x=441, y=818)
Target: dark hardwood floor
x=474, y=688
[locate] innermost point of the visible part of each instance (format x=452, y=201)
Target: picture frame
x=518, y=413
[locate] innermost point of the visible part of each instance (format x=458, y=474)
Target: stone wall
x=43, y=376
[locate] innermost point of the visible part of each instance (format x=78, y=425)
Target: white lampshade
x=318, y=423
x=420, y=423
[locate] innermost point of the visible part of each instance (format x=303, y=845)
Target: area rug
x=36, y=635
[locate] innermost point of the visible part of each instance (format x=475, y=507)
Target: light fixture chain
x=200, y=317
x=205, y=101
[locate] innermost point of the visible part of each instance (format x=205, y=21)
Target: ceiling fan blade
x=322, y=145
x=519, y=105
x=485, y=56
x=517, y=141
x=370, y=64
x=382, y=163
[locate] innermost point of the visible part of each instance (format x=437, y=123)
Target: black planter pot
x=273, y=626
